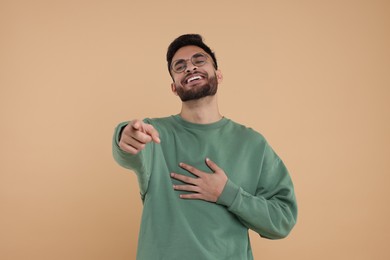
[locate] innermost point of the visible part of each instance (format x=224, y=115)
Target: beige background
x=312, y=76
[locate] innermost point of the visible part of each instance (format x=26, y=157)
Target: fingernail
x=207, y=159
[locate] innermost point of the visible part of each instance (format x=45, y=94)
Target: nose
x=190, y=67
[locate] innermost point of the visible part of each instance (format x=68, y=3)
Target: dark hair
x=186, y=40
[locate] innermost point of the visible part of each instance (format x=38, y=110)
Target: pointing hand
x=136, y=135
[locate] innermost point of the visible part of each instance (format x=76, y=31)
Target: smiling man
x=204, y=179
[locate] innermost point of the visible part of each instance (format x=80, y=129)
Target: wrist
x=229, y=193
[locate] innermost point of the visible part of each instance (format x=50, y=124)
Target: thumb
x=136, y=124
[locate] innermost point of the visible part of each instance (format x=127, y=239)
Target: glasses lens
x=199, y=59
x=179, y=66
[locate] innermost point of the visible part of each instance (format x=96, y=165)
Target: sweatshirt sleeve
x=139, y=163
x=272, y=210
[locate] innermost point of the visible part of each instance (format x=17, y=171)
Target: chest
x=238, y=158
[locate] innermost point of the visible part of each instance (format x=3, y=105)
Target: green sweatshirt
x=259, y=194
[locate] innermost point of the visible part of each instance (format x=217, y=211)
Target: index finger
x=212, y=165
x=150, y=130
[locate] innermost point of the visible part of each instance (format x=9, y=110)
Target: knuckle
x=134, y=152
x=127, y=128
x=198, y=182
x=139, y=136
x=123, y=146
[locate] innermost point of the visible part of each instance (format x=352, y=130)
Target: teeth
x=193, y=78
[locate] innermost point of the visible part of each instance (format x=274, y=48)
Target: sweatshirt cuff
x=228, y=194
x=118, y=132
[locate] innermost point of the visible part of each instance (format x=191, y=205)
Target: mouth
x=193, y=78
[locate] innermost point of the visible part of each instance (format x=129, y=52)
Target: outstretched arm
x=131, y=149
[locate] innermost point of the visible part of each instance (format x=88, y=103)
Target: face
x=196, y=81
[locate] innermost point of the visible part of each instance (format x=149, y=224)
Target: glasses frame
x=186, y=62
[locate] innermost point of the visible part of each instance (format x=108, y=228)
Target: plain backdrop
x=311, y=76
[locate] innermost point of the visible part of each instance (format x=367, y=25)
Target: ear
x=173, y=88
x=219, y=76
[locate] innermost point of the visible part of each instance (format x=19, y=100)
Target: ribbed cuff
x=228, y=194
x=118, y=132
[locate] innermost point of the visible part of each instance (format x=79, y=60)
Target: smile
x=197, y=77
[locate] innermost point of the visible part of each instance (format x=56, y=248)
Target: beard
x=199, y=91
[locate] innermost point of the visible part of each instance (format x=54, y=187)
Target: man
x=204, y=179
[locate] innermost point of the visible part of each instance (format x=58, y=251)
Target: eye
x=199, y=59
x=179, y=65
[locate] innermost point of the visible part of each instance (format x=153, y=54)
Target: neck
x=201, y=111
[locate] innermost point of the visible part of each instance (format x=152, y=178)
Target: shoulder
x=254, y=139
x=247, y=133
x=161, y=123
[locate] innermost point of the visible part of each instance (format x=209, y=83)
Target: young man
x=204, y=179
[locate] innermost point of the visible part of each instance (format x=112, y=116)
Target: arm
x=271, y=211
x=130, y=149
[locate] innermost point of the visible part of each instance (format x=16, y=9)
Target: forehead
x=186, y=52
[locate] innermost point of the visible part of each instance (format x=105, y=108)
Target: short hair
x=187, y=40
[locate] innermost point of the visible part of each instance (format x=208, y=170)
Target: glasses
x=198, y=59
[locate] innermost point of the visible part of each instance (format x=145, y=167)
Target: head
x=193, y=68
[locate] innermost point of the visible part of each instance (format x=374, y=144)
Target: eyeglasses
x=198, y=59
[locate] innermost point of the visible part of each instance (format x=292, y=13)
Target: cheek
x=177, y=80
